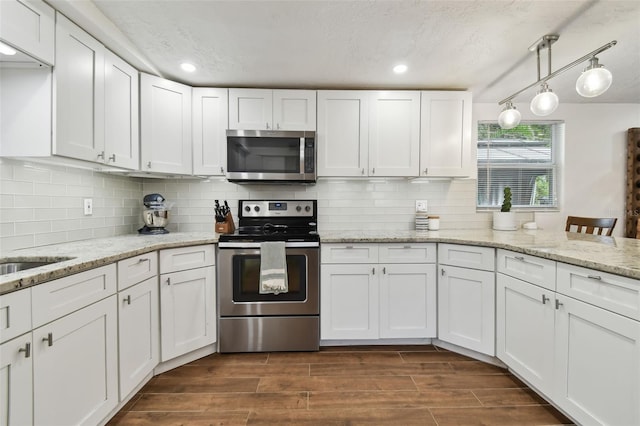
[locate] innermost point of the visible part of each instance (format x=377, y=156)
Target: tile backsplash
x=42, y=204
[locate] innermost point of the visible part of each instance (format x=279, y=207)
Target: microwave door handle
x=301, y=155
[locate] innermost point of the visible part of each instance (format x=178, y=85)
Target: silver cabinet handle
x=384, y=270
x=425, y=171
x=442, y=272
x=520, y=258
x=373, y=271
x=112, y=158
x=595, y=277
x=127, y=299
x=373, y=171
x=26, y=350
x=48, y=339
x=222, y=170
x=101, y=155
x=144, y=259
x=545, y=299
x=149, y=165
x=278, y=126
x=558, y=304
x=168, y=281
x=363, y=170
x=407, y=247
x=267, y=126
x=349, y=247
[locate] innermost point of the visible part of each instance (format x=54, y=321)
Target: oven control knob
x=247, y=208
x=256, y=208
x=298, y=208
x=307, y=209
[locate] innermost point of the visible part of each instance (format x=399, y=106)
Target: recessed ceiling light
x=400, y=69
x=187, y=67
x=7, y=50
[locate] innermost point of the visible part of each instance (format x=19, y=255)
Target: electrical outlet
x=88, y=206
x=421, y=206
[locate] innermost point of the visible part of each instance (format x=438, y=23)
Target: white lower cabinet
x=138, y=327
x=364, y=301
x=16, y=381
x=466, y=297
x=187, y=300
x=75, y=360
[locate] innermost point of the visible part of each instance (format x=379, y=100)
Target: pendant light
x=545, y=102
x=509, y=117
x=594, y=80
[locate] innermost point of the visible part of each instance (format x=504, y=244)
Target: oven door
x=239, y=283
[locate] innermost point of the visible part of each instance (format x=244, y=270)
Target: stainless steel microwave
x=271, y=156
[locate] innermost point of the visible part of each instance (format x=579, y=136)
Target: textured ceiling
x=479, y=45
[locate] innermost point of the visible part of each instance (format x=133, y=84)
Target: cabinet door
x=294, y=109
x=525, y=330
x=16, y=382
x=121, y=139
x=250, y=109
x=597, y=364
x=349, y=299
x=187, y=306
x=165, y=120
x=15, y=314
x=78, y=93
x=138, y=325
x=394, y=133
x=445, y=141
x=466, y=308
x=29, y=26
x=408, y=301
x=75, y=365
x=343, y=133
x=210, y=122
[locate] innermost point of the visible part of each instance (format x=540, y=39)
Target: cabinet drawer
x=15, y=314
x=183, y=258
x=137, y=269
x=467, y=256
x=407, y=253
x=60, y=297
x=349, y=253
x=612, y=292
x=532, y=269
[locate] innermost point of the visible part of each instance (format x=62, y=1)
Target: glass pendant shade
x=594, y=81
x=509, y=117
x=545, y=102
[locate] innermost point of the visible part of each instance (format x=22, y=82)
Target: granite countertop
x=619, y=256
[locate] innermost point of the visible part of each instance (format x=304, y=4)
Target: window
x=522, y=158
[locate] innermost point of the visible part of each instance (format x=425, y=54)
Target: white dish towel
x=273, y=268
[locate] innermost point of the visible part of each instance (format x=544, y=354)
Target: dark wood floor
x=389, y=385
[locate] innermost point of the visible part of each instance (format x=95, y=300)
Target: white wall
x=42, y=204
x=593, y=173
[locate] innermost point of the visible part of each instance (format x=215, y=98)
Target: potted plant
x=505, y=219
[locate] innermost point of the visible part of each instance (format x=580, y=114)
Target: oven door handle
x=247, y=245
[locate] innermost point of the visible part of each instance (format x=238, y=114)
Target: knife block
x=226, y=227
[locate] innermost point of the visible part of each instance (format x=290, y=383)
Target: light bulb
x=7, y=50
x=187, y=67
x=545, y=102
x=594, y=81
x=509, y=117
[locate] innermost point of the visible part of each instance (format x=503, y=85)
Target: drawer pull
x=144, y=259
x=520, y=258
x=48, y=339
x=407, y=247
x=373, y=271
x=384, y=270
x=545, y=299
x=558, y=304
x=442, y=272
x=127, y=299
x=595, y=277
x=26, y=350
x=349, y=247
x=168, y=281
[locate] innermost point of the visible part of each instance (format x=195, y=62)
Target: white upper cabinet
x=121, y=138
x=394, y=133
x=165, y=120
x=343, y=132
x=363, y=133
x=210, y=122
x=29, y=26
x=445, y=141
x=78, y=93
x=266, y=109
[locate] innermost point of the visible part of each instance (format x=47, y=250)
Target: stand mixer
x=155, y=215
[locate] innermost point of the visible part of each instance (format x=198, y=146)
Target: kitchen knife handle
x=26, y=350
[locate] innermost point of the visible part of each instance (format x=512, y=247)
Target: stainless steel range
x=251, y=321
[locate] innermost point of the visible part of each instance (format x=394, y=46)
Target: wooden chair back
x=591, y=225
